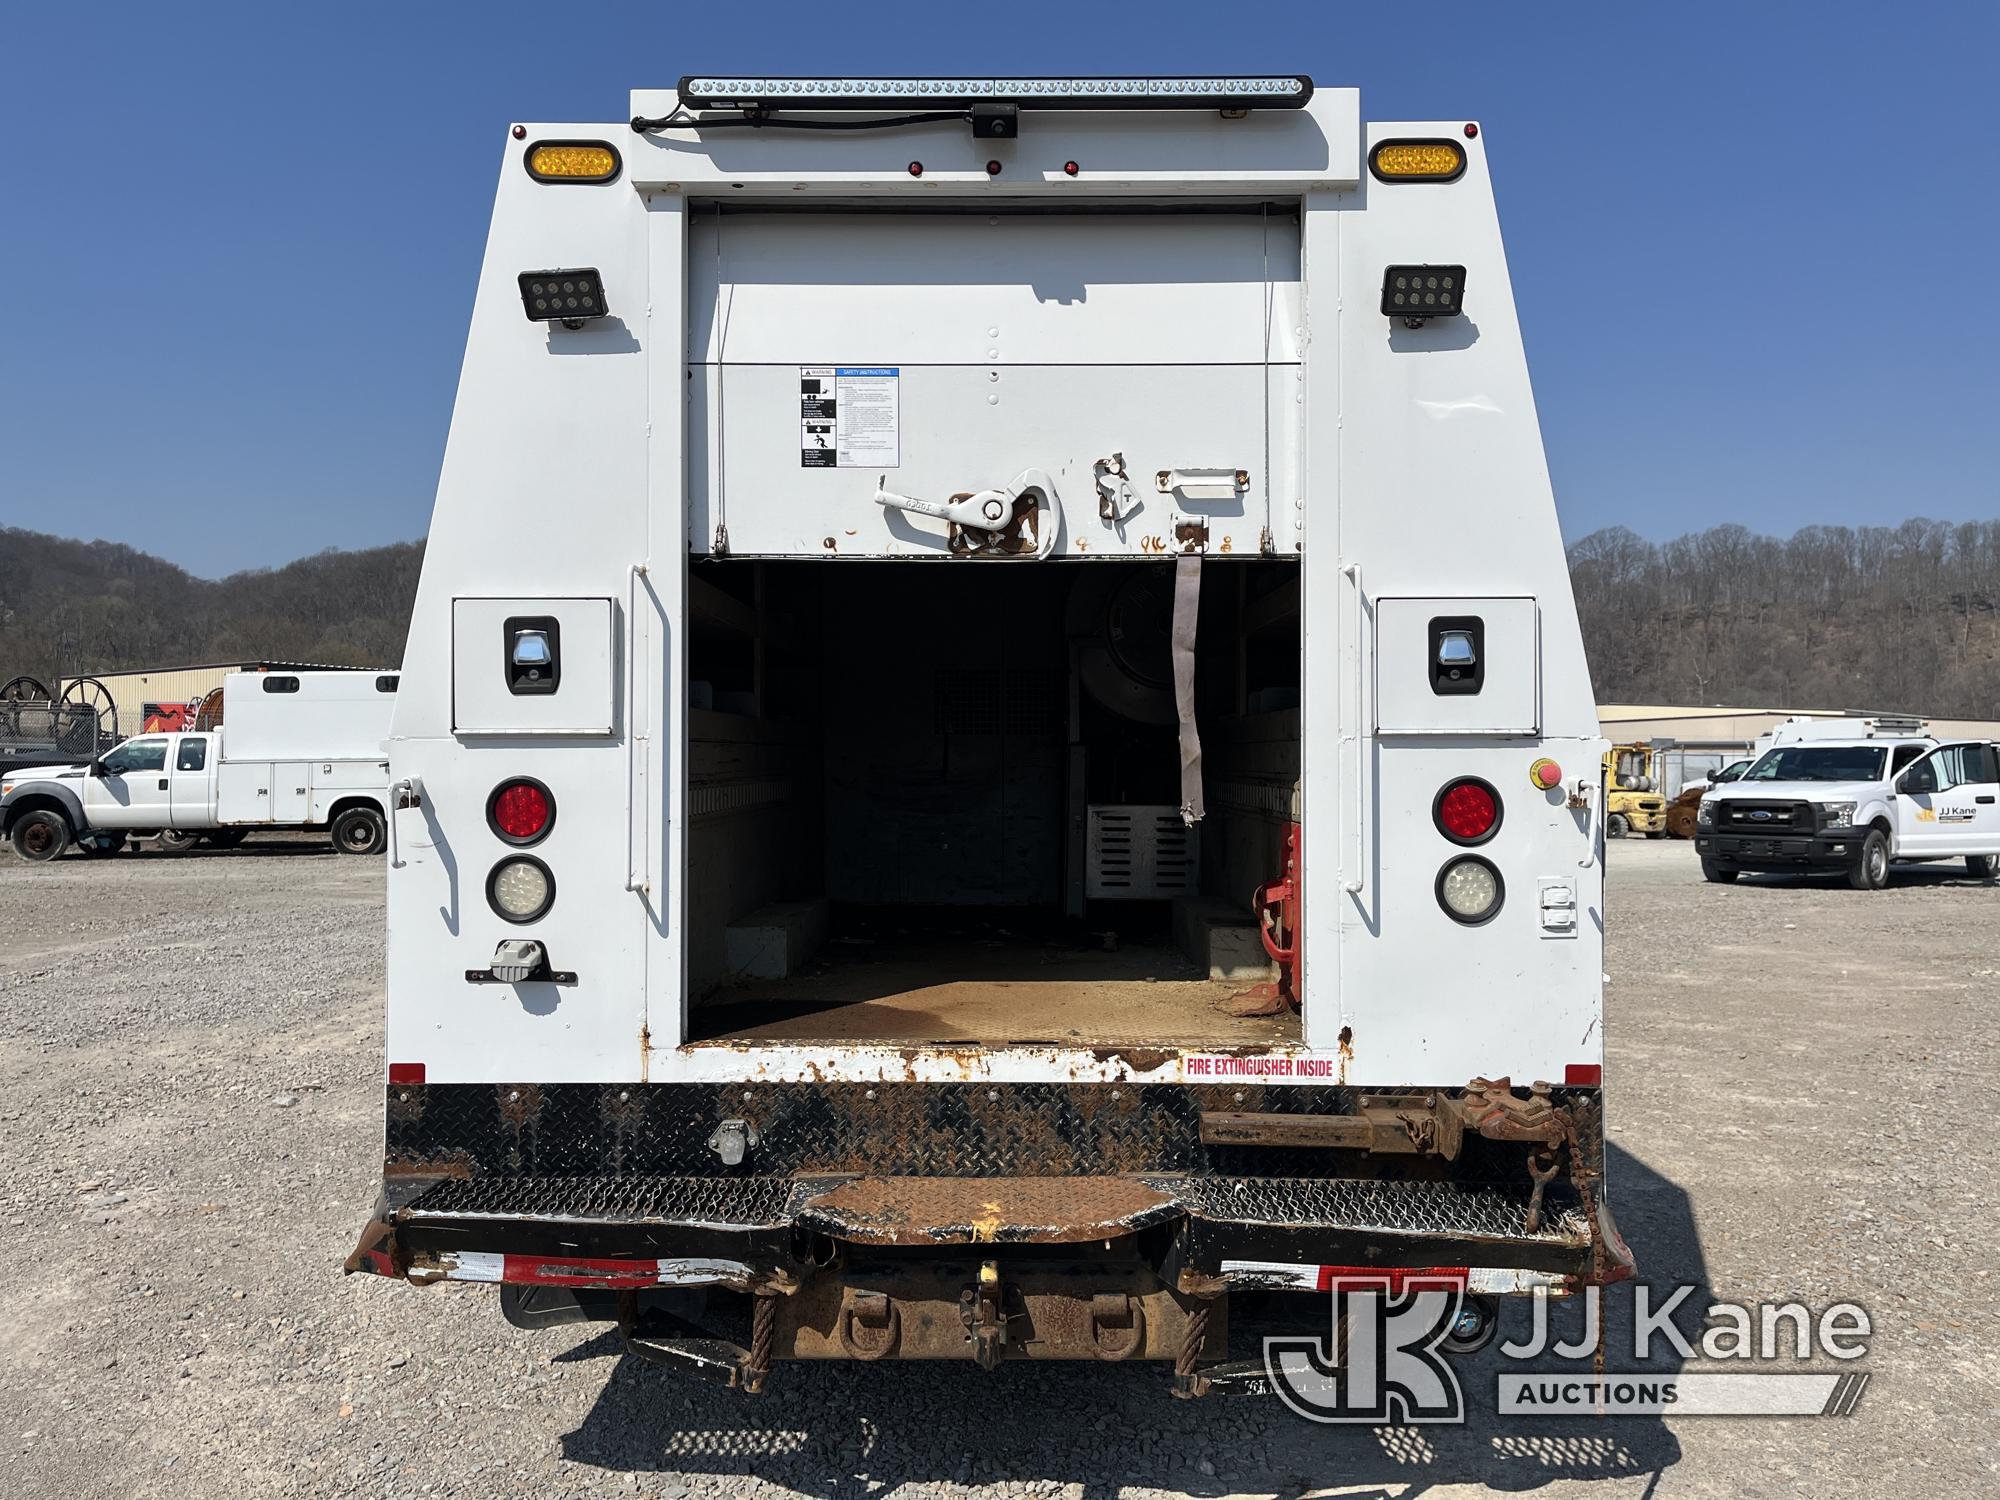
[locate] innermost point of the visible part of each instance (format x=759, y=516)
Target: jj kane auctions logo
x=1387, y=1357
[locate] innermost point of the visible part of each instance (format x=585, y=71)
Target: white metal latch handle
x=985, y=510
x=989, y=518
x=402, y=794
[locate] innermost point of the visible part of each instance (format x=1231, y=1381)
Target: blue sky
x=1724, y=223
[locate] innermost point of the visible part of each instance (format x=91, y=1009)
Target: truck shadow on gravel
x=850, y=1430
x=273, y=849
x=1945, y=875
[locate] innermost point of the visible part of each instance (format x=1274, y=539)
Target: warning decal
x=1292, y=1067
x=849, y=417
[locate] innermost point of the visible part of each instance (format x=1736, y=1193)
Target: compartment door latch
x=1017, y=520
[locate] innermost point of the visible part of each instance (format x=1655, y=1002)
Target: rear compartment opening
x=939, y=804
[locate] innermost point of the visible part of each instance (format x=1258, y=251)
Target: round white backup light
x=1470, y=890
x=520, y=889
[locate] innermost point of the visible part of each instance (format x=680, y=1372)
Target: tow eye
x=869, y=1324
x=1117, y=1324
x=1017, y=521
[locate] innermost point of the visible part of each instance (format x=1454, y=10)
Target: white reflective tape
x=1490, y=1281
x=472, y=1265
x=1274, y=1273
x=700, y=1270
x=682, y=1270
x=1505, y=1281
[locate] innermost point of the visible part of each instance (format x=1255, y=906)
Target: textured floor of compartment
x=999, y=993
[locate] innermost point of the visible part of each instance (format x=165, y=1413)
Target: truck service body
x=294, y=750
x=884, y=579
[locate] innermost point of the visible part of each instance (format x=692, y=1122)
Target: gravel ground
x=1803, y=1089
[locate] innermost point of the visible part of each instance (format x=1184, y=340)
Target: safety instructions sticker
x=849, y=417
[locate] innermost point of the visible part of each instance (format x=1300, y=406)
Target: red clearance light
x=406, y=1072
x=1071, y=168
x=1467, y=811
x=916, y=169
x=521, y=811
x=1583, y=1075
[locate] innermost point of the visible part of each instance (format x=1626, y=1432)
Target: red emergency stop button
x=1545, y=774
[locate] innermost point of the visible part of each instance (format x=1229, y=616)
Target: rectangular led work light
x=1418, y=293
x=705, y=92
x=571, y=298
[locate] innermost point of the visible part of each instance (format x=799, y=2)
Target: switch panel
x=1558, y=906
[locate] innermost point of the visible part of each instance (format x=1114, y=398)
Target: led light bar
x=698, y=92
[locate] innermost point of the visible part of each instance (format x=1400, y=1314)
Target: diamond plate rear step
x=1337, y=1220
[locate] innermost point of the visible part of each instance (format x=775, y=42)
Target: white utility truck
x=995, y=747
x=294, y=750
x=1841, y=796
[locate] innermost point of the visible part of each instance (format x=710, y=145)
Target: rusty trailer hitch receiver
x=982, y=1308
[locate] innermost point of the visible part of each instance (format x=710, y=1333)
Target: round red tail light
x=1467, y=811
x=521, y=811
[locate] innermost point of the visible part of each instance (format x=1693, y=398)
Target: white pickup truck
x=295, y=750
x=1824, y=798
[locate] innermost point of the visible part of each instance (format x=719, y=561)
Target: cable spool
x=1121, y=620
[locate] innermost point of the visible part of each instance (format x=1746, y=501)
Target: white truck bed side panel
x=543, y=494
x=1445, y=493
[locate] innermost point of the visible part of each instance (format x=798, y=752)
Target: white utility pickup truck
x=295, y=750
x=1826, y=798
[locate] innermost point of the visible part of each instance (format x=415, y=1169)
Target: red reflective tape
x=406, y=1072
x=569, y=1270
x=1584, y=1075
x=1396, y=1276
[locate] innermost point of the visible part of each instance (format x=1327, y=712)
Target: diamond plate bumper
x=629, y=1170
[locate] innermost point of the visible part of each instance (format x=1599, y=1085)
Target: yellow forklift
x=1633, y=802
